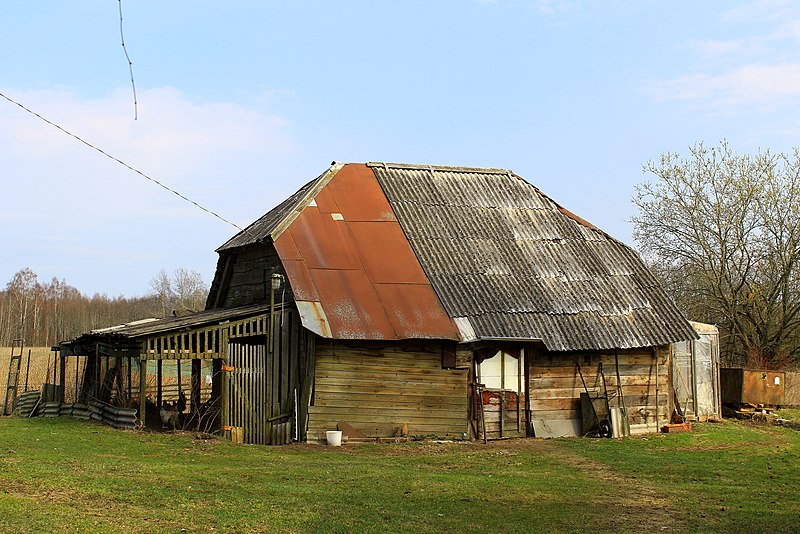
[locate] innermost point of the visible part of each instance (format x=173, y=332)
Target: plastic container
x=334, y=437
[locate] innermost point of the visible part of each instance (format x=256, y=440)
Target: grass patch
x=63, y=475
x=792, y=414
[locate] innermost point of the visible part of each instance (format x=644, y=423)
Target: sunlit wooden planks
x=556, y=385
x=380, y=390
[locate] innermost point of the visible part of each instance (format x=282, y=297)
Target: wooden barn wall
x=245, y=279
x=385, y=391
x=556, y=387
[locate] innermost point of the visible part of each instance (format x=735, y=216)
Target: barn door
x=683, y=377
x=502, y=394
x=247, y=393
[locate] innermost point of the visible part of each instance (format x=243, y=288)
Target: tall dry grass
x=41, y=359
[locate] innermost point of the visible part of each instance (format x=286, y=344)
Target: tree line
x=44, y=313
x=722, y=231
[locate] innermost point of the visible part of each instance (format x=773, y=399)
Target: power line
x=130, y=64
x=106, y=154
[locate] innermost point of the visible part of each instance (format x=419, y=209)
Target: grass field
x=60, y=475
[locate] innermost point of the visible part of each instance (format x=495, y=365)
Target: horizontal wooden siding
x=556, y=387
x=386, y=391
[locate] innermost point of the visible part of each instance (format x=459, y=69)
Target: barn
x=392, y=300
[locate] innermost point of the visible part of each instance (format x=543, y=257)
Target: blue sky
x=240, y=103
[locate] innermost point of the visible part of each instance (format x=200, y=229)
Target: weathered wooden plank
x=386, y=401
x=556, y=404
x=555, y=414
x=390, y=388
x=415, y=350
x=411, y=410
x=433, y=379
x=559, y=393
x=591, y=362
x=404, y=414
x=423, y=361
x=388, y=429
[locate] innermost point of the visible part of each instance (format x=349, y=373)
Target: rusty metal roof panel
x=415, y=311
x=348, y=261
x=515, y=264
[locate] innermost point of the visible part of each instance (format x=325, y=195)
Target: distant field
x=41, y=360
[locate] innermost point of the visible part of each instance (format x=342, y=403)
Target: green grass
x=60, y=475
x=789, y=413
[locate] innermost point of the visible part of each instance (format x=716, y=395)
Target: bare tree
x=22, y=289
x=722, y=231
x=162, y=288
x=190, y=290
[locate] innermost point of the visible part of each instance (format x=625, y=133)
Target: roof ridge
x=447, y=168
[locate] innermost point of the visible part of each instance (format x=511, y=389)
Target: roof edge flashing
x=310, y=195
x=313, y=318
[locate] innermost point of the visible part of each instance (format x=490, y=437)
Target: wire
x=130, y=65
x=106, y=154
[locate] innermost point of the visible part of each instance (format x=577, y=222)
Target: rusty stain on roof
x=347, y=260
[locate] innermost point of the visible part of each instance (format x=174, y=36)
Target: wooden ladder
x=12, y=382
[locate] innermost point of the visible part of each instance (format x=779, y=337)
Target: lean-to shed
x=447, y=301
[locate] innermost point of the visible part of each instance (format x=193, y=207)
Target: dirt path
x=631, y=501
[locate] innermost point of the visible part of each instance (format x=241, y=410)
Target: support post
x=142, y=390
x=62, y=376
x=195, y=406
x=655, y=355
x=159, y=387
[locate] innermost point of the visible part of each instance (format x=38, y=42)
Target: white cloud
x=758, y=71
x=712, y=48
x=748, y=84
x=760, y=10
x=553, y=7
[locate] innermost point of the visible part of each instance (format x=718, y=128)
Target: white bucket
x=334, y=437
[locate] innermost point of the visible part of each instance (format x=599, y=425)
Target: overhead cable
x=106, y=154
x=130, y=64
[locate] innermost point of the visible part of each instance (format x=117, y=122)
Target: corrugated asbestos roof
x=509, y=262
x=459, y=253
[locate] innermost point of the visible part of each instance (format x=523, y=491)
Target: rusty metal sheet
x=300, y=280
x=287, y=248
x=385, y=253
x=323, y=241
x=415, y=312
x=763, y=387
x=353, y=307
x=348, y=259
x=358, y=195
x=325, y=201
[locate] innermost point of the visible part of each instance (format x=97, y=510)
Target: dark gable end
x=507, y=262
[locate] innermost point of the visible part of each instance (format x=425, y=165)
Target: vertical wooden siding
x=379, y=390
x=268, y=381
x=555, y=384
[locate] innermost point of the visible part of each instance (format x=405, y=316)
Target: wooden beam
x=142, y=390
